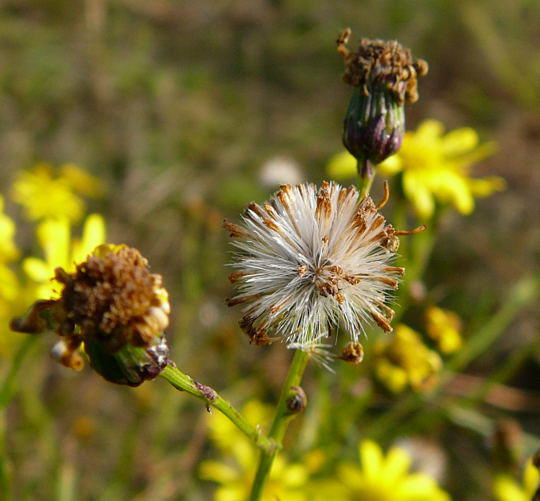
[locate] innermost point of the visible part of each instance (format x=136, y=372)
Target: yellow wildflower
x=8, y=249
x=10, y=292
x=387, y=478
x=434, y=166
x=10, y=289
x=444, y=327
x=45, y=193
x=403, y=360
x=286, y=481
x=507, y=489
x=54, y=236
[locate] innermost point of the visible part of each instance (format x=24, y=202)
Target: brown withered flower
x=385, y=77
x=114, y=307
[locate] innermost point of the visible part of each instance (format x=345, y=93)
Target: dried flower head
x=353, y=353
x=384, y=75
x=382, y=65
x=115, y=306
x=311, y=259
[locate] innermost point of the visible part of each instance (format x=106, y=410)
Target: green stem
x=281, y=421
x=366, y=174
x=183, y=382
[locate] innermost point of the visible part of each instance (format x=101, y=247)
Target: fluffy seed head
x=310, y=260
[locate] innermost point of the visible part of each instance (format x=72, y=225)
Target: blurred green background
x=177, y=106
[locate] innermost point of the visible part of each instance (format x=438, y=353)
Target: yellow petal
x=392, y=165
x=54, y=237
x=37, y=269
x=8, y=249
x=467, y=159
x=451, y=187
x=342, y=166
x=420, y=487
x=243, y=452
x=397, y=464
x=506, y=489
x=393, y=377
x=429, y=130
x=93, y=236
x=217, y=472
x=371, y=458
x=80, y=181
x=419, y=194
x=351, y=476
x=231, y=492
x=531, y=478
x=459, y=141
x=9, y=285
x=483, y=187
x=293, y=475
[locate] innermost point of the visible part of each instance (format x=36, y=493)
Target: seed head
x=310, y=260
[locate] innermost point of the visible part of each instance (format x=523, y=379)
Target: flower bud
x=384, y=75
x=374, y=126
x=352, y=353
x=115, y=308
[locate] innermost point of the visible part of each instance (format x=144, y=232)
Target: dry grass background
x=176, y=105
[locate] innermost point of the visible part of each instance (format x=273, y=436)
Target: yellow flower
x=286, y=481
x=444, y=327
x=8, y=249
x=45, y=193
x=434, y=166
x=403, y=360
x=10, y=291
x=54, y=236
x=381, y=478
x=507, y=489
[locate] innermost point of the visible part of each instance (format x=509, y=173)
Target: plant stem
x=281, y=421
x=366, y=174
x=184, y=382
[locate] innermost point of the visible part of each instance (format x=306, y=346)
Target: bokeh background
x=182, y=109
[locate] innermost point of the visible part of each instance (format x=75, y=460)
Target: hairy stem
x=281, y=421
x=183, y=382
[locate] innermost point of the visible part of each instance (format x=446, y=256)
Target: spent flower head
x=113, y=306
x=384, y=75
x=312, y=259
